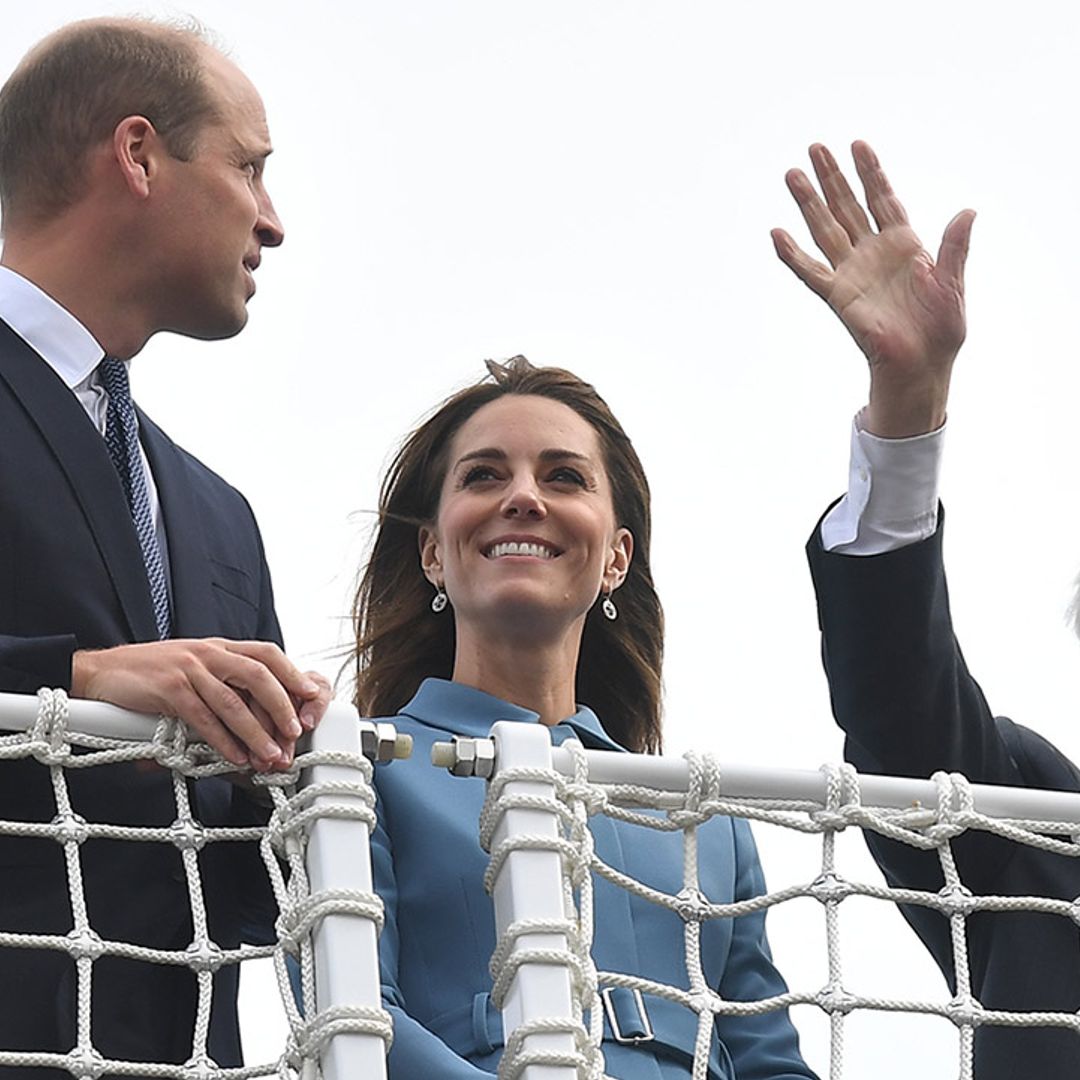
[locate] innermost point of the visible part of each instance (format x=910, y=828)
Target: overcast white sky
x=592, y=183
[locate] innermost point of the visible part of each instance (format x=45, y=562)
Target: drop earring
x=607, y=606
x=439, y=600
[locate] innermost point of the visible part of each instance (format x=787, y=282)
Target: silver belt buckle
x=613, y=1021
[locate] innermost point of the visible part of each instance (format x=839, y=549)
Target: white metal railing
x=544, y=975
x=320, y=824
x=538, y=793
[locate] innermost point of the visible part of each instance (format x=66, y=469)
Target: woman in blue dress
x=510, y=580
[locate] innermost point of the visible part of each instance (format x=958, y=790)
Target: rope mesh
x=282, y=842
x=930, y=828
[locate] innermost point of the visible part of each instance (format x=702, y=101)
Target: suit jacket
x=440, y=929
x=903, y=695
x=72, y=576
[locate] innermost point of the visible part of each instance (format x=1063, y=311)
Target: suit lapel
x=189, y=564
x=80, y=451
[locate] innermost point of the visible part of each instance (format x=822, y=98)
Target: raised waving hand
x=904, y=310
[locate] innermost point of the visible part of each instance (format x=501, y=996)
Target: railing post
x=529, y=887
x=346, y=946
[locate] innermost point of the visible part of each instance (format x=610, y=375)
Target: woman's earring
x=439, y=600
x=607, y=606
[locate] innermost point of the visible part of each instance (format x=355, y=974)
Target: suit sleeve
x=416, y=1051
x=899, y=685
x=762, y=1047
x=27, y=664
x=908, y=706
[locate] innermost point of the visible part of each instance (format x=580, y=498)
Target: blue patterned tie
x=122, y=439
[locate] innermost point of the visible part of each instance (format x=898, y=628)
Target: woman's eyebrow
x=563, y=455
x=486, y=453
x=489, y=453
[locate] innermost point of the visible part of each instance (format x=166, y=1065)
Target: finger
x=880, y=197
x=838, y=194
x=313, y=711
x=827, y=232
x=189, y=707
x=816, y=276
x=231, y=713
x=295, y=681
x=288, y=756
x=952, y=255
x=238, y=669
x=286, y=745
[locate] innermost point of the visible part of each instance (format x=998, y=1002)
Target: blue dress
x=440, y=928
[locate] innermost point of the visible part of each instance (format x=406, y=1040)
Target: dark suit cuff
x=27, y=664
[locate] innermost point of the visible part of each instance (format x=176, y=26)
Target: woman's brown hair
x=400, y=642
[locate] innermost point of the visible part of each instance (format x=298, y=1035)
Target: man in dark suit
x=132, y=194
x=900, y=688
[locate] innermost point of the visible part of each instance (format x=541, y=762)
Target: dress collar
x=468, y=711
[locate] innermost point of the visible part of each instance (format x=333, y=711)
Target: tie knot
x=114, y=377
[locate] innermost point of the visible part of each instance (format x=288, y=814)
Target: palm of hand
x=901, y=314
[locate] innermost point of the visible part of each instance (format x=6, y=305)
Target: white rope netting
x=932, y=828
x=51, y=741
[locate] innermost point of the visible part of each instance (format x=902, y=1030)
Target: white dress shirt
x=892, y=496
x=74, y=354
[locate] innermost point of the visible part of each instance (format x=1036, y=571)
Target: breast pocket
x=236, y=596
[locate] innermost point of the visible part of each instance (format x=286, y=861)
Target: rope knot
x=71, y=828
x=85, y=1063
x=204, y=955
x=187, y=835
x=965, y=1012
x=831, y=888
x=692, y=906
x=85, y=944
x=703, y=781
x=201, y=1068
x=835, y=999
x=956, y=899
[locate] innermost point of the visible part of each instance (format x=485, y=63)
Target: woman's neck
x=535, y=676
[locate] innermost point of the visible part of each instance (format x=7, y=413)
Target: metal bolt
x=465, y=756
x=381, y=743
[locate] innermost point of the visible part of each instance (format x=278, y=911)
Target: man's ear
x=618, y=561
x=137, y=149
x=430, y=555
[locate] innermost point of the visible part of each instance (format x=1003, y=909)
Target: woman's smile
x=512, y=548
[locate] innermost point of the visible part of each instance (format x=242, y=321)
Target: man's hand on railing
x=246, y=699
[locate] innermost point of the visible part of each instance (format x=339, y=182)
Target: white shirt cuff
x=892, y=496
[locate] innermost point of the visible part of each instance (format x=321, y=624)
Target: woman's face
x=525, y=537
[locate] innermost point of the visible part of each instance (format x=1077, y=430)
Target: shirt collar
x=467, y=711
x=49, y=329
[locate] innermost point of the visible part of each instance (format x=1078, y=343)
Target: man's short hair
x=73, y=88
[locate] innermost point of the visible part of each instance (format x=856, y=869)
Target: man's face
x=218, y=216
